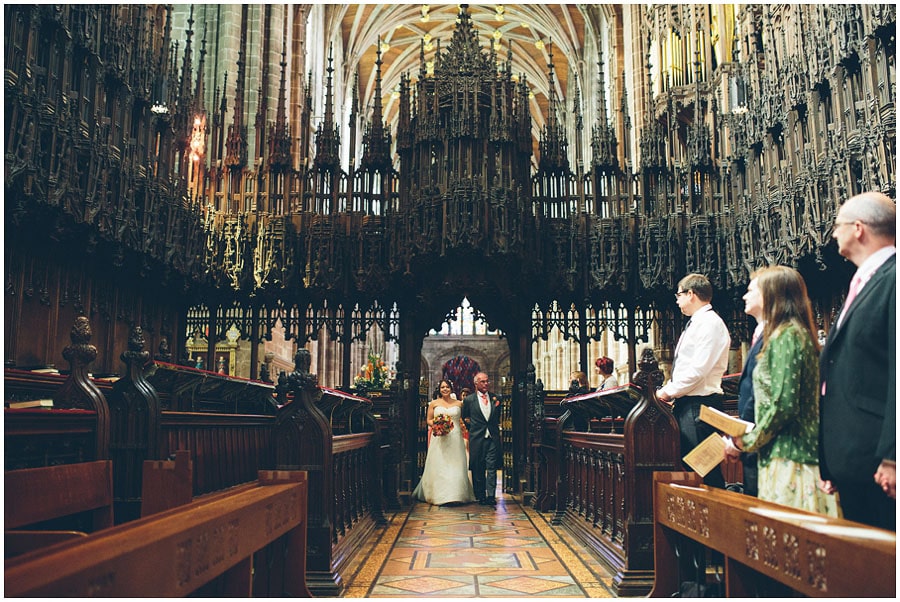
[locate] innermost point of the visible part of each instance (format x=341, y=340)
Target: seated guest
x=579, y=384
x=608, y=380
x=785, y=391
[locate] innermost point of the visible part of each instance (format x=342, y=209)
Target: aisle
x=473, y=551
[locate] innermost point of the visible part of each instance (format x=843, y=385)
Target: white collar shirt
x=864, y=273
x=701, y=357
x=872, y=263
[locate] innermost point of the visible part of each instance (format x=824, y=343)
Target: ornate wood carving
x=134, y=427
x=744, y=155
x=79, y=391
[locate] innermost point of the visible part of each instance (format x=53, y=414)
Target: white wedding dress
x=446, y=475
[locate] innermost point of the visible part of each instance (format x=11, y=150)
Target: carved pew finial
x=649, y=377
x=79, y=391
x=300, y=378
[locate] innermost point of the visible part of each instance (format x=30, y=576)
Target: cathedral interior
x=426, y=187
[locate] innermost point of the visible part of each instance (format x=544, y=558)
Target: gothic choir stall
x=254, y=253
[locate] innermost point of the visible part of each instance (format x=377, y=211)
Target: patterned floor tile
x=470, y=551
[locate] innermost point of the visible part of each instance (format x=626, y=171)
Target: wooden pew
x=766, y=544
x=603, y=480
x=176, y=552
x=345, y=472
x=57, y=503
x=43, y=506
x=167, y=483
x=227, y=449
x=76, y=429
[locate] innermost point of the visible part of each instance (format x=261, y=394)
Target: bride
x=446, y=476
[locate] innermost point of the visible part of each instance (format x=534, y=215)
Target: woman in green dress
x=785, y=386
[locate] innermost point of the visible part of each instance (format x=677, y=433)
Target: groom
x=481, y=413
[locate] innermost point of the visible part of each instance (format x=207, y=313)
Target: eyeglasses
x=839, y=223
x=679, y=293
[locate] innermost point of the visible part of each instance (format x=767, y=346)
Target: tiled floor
x=473, y=551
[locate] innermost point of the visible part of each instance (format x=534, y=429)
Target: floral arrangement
x=374, y=375
x=442, y=424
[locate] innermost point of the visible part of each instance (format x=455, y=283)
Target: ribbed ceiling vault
x=403, y=26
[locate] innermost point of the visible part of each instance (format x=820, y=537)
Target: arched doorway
x=461, y=346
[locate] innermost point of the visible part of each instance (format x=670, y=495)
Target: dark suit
x=484, y=452
x=858, y=411
x=747, y=411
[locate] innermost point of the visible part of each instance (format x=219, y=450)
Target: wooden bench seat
x=39, y=501
x=175, y=552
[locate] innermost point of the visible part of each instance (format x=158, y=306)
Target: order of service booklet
x=724, y=422
x=706, y=455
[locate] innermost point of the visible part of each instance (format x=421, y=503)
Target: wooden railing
x=179, y=551
x=767, y=547
x=345, y=472
x=226, y=449
x=595, y=473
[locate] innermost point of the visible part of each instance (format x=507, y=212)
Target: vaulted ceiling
x=534, y=30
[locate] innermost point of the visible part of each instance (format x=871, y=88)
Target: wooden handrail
x=812, y=554
x=177, y=551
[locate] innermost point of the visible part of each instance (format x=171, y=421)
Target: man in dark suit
x=858, y=367
x=481, y=413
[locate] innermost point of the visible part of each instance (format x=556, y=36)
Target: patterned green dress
x=786, y=436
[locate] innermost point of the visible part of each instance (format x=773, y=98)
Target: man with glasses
x=858, y=368
x=701, y=358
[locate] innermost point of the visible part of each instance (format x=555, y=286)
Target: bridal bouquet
x=443, y=424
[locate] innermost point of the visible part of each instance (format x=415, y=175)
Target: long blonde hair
x=785, y=301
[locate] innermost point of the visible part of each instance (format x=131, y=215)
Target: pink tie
x=484, y=398
x=855, y=285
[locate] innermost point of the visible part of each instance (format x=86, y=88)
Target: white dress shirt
x=701, y=356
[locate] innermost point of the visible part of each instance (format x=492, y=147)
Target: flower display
x=373, y=375
x=443, y=424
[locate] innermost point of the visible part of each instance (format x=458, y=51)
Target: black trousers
x=751, y=486
x=693, y=430
x=867, y=503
